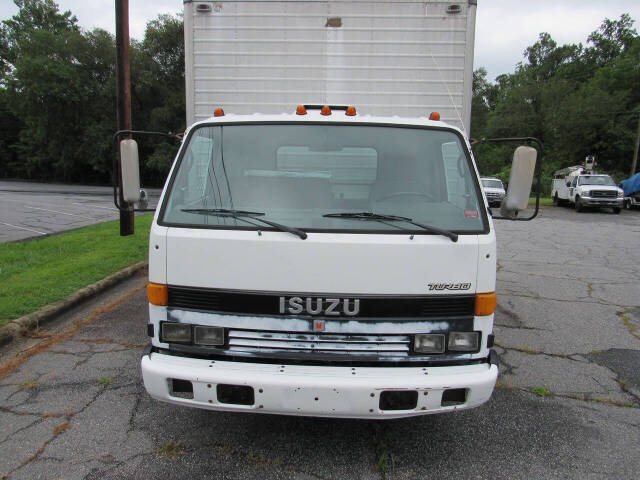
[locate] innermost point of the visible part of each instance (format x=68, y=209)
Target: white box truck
x=325, y=259
x=386, y=57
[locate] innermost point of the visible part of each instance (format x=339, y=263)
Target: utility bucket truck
x=581, y=187
x=326, y=259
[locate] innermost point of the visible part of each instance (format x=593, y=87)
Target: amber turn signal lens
x=434, y=116
x=486, y=303
x=158, y=294
x=351, y=111
x=301, y=110
x=326, y=110
x=218, y=112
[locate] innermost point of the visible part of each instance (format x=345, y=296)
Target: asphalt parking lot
x=38, y=209
x=568, y=328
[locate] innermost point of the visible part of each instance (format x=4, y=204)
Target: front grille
x=431, y=306
x=252, y=341
x=603, y=194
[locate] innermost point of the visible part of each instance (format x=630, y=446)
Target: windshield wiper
x=376, y=216
x=240, y=214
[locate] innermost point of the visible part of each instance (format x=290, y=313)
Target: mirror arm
x=538, y=146
x=116, y=167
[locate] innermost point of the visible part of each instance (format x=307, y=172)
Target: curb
x=14, y=328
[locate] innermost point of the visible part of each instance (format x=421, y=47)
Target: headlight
x=464, y=341
x=620, y=194
x=586, y=193
x=428, y=343
x=209, y=336
x=175, y=332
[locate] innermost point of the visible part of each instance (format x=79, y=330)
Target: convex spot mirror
x=143, y=201
x=520, y=180
x=130, y=167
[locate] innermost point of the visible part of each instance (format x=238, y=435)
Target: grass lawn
x=543, y=201
x=41, y=271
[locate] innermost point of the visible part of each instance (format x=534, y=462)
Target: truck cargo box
x=404, y=58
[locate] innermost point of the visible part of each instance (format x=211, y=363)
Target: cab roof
x=336, y=116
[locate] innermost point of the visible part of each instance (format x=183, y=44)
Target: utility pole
x=635, y=151
x=123, y=92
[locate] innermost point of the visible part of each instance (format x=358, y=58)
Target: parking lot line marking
x=61, y=213
x=23, y=228
x=95, y=206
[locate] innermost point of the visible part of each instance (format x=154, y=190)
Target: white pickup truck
x=585, y=189
x=494, y=191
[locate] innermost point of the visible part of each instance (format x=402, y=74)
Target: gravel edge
x=15, y=328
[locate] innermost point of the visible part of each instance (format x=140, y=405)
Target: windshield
x=605, y=180
x=296, y=174
x=492, y=183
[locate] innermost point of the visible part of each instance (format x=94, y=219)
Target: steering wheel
x=428, y=196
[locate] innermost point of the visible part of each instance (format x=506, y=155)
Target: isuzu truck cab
x=325, y=263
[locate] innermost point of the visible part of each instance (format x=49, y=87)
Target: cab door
x=572, y=189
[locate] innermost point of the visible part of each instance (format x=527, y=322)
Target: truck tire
x=578, y=205
x=556, y=200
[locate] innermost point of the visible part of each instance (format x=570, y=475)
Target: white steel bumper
x=321, y=391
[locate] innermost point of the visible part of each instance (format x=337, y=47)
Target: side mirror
x=130, y=168
x=568, y=184
x=520, y=180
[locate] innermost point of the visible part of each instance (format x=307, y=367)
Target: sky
x=504, y=28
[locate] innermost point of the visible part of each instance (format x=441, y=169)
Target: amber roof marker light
x=218, y=112
x=351, y=111
x=301, y=110
x=326, y=110
x=434, y=116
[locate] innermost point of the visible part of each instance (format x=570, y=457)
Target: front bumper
x=322, y=391
x=495, y=199
x=602, y=202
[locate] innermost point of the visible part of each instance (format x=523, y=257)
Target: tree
x=577, y=100
x=10, y=127
x=57, y=94
x=34, y=16
x=611, y=39
x=43, y=86
x=482, y=102
x=158, y=89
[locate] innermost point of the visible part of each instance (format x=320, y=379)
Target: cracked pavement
x=72, y=405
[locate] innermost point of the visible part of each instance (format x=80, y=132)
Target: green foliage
x=540, y=391
x=171, y=449
x=57, y=95
x=42, y=271
x=578, y=101
x=10, y=127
